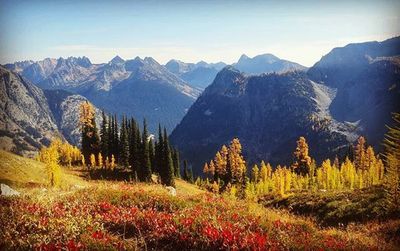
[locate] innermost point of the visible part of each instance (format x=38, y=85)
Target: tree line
x=125, y=145
x=227, y=171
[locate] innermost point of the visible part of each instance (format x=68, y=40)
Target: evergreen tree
x=104, y=141
x=175, y=160
x=166, y=169
x=158, y=158
x=134, y=147
x=151, y=153
x=392, y=160
x=110, y=136
x=116, y=139
x=124, y=144
x=190, y=176
x=185, y=174
x=145, y=165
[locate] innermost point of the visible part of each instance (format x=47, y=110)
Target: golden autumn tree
x=255, y=174
x=220, y=162
x=237, y=164
x=90, y=137
x=211, y=168
x=359, y=154
x=302, y=159
x=50, y=156
x=205, y=168
x=263, y=172
x=100, y=160
x=112, y=162
x=92, y=160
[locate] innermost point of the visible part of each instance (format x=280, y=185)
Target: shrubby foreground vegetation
x=361, y=172
x=145, y=217
x=265, y=208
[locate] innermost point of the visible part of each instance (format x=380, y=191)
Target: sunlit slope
x=18, y=171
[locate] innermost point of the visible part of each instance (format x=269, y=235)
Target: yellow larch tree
x=302, y=158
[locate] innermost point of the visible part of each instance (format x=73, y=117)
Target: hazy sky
x=301, y=31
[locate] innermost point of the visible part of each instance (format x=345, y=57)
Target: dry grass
x=24, y=173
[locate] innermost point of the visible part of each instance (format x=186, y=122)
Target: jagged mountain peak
x=229, y=81
x=151, y=61
x=266, y=58
x=266, y=63
x=73, y=61
x=243, y=57
x=117, y=60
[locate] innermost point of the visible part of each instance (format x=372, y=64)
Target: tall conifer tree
x=104, y=134
x=124, y=144
x=167, y=172
x=145, y=174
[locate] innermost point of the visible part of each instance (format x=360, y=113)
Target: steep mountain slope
x=266, y=63
x=26, y=122
x=267, y=112
x=198, y=75
x=31, y=117
x=150, y=92
x=138, y=87
x=65, y=109
x=332, y=104
x=367, y=79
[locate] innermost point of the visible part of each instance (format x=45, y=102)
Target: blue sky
x=301, y=31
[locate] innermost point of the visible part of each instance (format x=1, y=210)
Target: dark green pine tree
x=116, y=139
x=124, y=144
x=167, y=172
x=111, y=136
x=104, y=135
x=139, y=151
x=133, y=146
x=190, y=178
x=175, y=161
x=158, y=152
x=185, y=171
x=151, y=153
x=145, y=166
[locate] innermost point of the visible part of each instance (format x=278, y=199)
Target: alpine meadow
x=199, y=125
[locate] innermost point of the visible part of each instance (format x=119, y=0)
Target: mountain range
x=351, y=91
x=142, y=88
x=139, y=87
x=199, y=75
x=31, y=117
x=265, y=101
